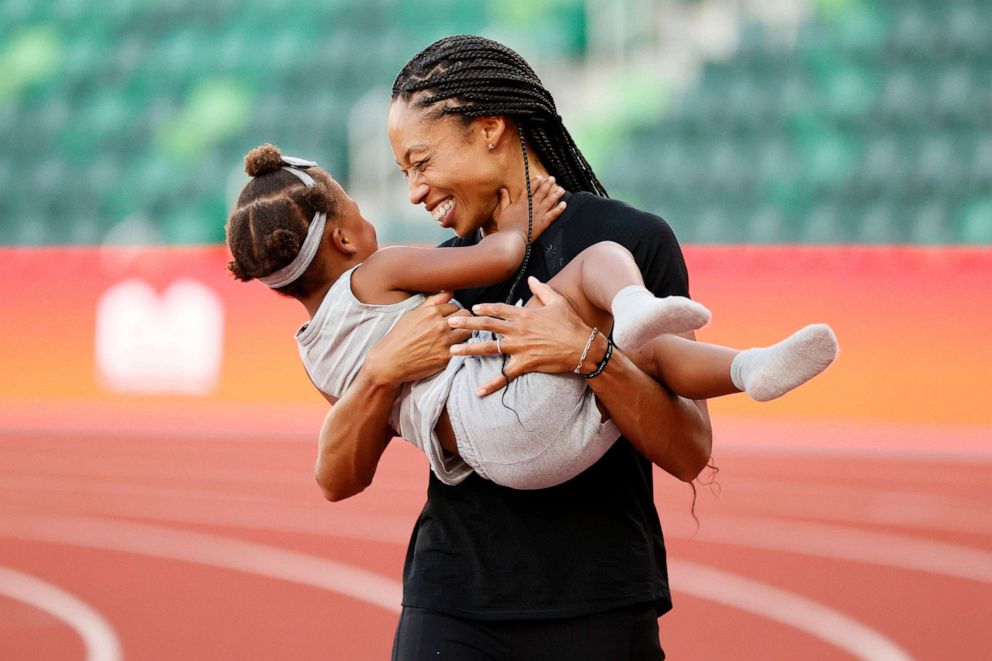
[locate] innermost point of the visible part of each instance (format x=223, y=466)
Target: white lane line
x=98, y=636
x=838, y=504
x=842, y=543
x=212, y=550
x=813, y=539
x=363, y=525
x=312, y=571
x=809, y=501
x=852, y=504
x=786, y=608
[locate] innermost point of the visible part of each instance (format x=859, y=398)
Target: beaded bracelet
x=585, y=351
x=602, y=364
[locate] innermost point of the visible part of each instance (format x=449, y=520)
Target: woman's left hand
x=670, y=431
x=547, y=338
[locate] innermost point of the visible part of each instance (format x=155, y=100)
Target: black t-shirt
x=589, y=545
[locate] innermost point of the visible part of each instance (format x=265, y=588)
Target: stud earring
x=490, y=145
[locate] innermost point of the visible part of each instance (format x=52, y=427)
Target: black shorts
x=628, y=634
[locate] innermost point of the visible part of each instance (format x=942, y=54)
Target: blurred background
x=762, y=121
x=819, y=160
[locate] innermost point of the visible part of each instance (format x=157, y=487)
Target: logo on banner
x=151, y=344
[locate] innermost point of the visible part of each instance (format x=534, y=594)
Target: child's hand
x=512, y=217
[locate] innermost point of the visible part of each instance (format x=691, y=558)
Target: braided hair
x=473, y=77
x=484, y=78
x=270, y=221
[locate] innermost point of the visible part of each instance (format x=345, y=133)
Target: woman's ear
x=342, y=243
x=491, y=130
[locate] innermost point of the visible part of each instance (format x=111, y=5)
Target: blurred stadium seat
x=873, y=125
x=871, y=128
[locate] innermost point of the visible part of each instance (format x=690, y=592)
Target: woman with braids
x=547, y=428
x=576, y=570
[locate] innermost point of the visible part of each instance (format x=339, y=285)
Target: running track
x=171, y=546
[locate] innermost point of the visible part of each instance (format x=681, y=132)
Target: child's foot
x=639, y=315
x=769, y=372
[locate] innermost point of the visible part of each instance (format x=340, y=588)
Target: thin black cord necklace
x=530, y=221
x=520, y=273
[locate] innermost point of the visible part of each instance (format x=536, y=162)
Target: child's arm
x=492, y=260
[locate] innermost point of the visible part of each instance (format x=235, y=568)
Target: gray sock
x=769, y=372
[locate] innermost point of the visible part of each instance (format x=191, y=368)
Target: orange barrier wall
x=913, y=323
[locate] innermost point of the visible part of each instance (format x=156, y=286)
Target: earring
x=490, y=145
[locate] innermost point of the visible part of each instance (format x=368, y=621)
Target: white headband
x=315, y=233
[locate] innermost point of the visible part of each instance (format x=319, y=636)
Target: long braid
x=476, y=77
x=520, y=271
x=530, y=224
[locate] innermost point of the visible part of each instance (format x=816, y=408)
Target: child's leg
x=700, y=371
x=604, y=278
x=691, y=369
x=605, y=287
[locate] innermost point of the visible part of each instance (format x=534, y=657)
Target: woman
x=576, y=571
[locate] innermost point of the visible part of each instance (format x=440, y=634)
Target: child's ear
x=342, y=242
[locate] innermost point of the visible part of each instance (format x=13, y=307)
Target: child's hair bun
x=239, y=271
x=263, y=160
x=284, y=245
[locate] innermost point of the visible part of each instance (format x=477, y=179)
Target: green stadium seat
x=716, y=225
x=912, y=33
x=872, y=126
x=975, y=221
x=768, y=225
x=886, y=221
x=823, y=226
x=931, y=224
x=937, y=166
x=980, y=175
x=968, y=27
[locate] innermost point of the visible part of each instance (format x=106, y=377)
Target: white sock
x=769, y=372
x=639, y=315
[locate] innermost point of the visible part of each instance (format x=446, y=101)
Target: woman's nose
x=418, y=189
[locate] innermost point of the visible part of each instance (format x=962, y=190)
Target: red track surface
x=185, y=548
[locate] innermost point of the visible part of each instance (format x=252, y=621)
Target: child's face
x=448, y=167
x=360, y=232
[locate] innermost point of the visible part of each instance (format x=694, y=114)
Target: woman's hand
x=356, y=429
x=513, y=216
x=418, y=345
x=672, y=432
x=536, y=339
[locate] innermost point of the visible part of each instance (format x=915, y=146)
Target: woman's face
x=449, y=168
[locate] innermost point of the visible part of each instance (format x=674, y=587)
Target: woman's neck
x=516, y=184
x=515, y=180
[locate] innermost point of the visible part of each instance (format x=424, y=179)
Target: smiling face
x=449, y=168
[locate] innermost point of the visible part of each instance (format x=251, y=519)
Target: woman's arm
x=673, y=432
x=356, y=429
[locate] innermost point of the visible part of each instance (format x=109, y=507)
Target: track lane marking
x=784, y=607
x=813, y=539
x=99, y=638
x=702, y=581
x=842, y=543
x=211, y=550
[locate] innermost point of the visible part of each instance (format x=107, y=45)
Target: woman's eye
x=415, y=167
